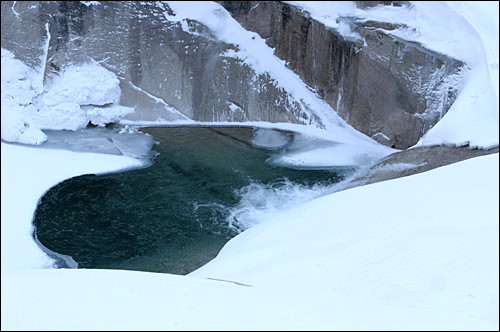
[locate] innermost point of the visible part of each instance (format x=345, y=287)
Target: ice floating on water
x=100, y=116
x=100, y=140
x=269, y=139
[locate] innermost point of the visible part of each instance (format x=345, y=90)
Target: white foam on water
x=259, y=201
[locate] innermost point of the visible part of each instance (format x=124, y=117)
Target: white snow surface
x=419, y=252
x=88, y=84
x=18, y=91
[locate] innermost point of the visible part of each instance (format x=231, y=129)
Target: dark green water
x=169, y=217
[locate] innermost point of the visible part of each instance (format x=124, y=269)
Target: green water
x=169, y=217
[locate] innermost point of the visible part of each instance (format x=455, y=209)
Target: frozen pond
x=205, y=186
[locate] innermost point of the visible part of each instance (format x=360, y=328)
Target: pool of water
x=205, y=186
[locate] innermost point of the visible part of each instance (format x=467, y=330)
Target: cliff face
x=166, y=70
x=389, y=89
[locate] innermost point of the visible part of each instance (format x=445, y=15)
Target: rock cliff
x=389, y=89
x=166, y=70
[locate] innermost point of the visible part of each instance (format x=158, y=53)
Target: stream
x=205, y=185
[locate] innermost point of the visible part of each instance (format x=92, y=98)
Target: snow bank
x=61, y=116
x=428, y=241
x=27, y=173
x=473, y=35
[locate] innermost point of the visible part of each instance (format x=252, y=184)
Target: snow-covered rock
x=81, y=94
x=87, y=84
x=420, y=252
x=17, y=94
x=61, y=116
x=100, y=116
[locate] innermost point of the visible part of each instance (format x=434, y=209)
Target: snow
x=100, y=116
x=61, y=116
x=355, y=242
x=419, y=252
x=17, y=93
x=73, y=98
x=269, y=139
x=311, y=147
x=88, y=84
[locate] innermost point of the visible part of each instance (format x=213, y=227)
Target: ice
x=269, y=139
x=100, y=116
x=100, y=140
x=314, y=151
x=60, y=260
x=135, y=145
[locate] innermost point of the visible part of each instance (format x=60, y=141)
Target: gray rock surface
x=166, y=71
x=389, y=89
